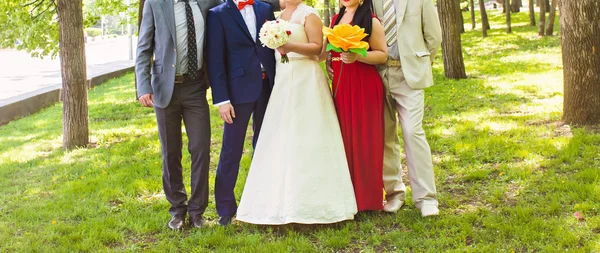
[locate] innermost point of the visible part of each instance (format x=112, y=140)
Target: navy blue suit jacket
x=234, y=58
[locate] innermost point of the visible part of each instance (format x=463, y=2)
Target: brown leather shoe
x=196, y=221
x=176, y=222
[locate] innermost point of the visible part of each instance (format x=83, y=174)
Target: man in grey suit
x=173, y=33
x=413, y=34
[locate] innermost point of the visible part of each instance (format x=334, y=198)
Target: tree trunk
x=326, y=14
x=449, y=11
x=508, y=11
x=484, y=17
x=485, y=24
x=580, y=30
x=74, y=85
x=531, y=13
x=542, y=24
x=462, y=19
x=551, y=17
x=515, y=6
x=472, y=9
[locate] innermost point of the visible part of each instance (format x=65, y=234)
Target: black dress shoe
x=176, y=222
x=196, y=221
x=225, y=220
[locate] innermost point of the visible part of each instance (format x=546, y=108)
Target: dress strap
x=333, y=20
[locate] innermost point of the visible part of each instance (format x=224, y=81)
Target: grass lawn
x=510, y=176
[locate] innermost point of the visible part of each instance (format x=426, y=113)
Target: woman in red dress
x=359, y=104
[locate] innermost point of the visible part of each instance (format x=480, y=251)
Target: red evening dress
x=359, y=105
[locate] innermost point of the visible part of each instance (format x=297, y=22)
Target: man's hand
x=147, y=100
x=227, y=113
x=328, y=67
x=349, y=57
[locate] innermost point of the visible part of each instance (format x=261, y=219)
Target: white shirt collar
x=176, y=1
x=236, y=2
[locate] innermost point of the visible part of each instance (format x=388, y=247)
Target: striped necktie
x=191, y=39
x=389, y=22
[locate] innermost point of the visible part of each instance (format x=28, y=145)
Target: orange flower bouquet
x=346, y=38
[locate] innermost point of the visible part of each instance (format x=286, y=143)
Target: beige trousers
x=407, y=104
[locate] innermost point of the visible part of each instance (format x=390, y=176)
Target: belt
x=179, y=79
x=393, y=63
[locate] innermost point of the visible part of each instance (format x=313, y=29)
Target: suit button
x=173, y=65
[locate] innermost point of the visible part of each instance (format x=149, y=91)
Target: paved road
x=20, y=73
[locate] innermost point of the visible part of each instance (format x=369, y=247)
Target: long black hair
x=363, y=16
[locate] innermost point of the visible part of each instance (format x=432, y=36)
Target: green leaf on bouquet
x=360, y=51
x=331, y=47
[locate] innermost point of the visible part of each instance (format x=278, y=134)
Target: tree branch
x=52, y=3
x=36, y=1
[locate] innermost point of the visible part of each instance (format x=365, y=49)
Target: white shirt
x=181, y=33
x=250, y=20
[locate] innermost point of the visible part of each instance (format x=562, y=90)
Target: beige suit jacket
x=419, y=38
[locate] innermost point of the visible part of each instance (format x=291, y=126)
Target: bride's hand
x=284, y=49
x=349, y=57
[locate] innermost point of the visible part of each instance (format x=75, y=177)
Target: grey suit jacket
x=157, y=38
x=419, y=38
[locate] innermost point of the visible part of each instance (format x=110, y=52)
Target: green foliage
x=93, y=32
x=510, y=177
x=35, y=23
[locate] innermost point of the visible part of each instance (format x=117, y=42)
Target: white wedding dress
x=299, y=172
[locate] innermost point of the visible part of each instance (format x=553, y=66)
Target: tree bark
x=462, y=19
x=515, y=6
x=508, y=11
x=74, y=77
x=484, y=17
x=531, y=13
x=551, y=17
x=542, y=24
x=326, y=14
x=454, y=66
x=580, y=30
x=485, y=24
x=472, y=9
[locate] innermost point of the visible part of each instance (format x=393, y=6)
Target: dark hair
x=363, y=16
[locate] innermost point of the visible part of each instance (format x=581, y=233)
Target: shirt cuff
x=223, y=103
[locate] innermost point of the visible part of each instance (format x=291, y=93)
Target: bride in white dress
x=299, y=172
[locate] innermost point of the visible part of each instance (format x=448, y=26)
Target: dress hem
x=292, y=221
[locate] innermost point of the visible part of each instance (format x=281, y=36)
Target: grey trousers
x=188, y=103
x=406, y=105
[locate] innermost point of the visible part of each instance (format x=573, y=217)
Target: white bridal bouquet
x=274, y=34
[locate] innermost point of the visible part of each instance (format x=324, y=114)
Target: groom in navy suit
x=241, y=73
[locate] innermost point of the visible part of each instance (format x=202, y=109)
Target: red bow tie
x=241, y=5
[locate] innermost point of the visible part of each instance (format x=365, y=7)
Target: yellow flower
x=346, y=37
x=54, y=222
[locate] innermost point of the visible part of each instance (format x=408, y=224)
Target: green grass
x=510, y=176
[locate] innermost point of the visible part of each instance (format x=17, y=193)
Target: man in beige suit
x=413, y=35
